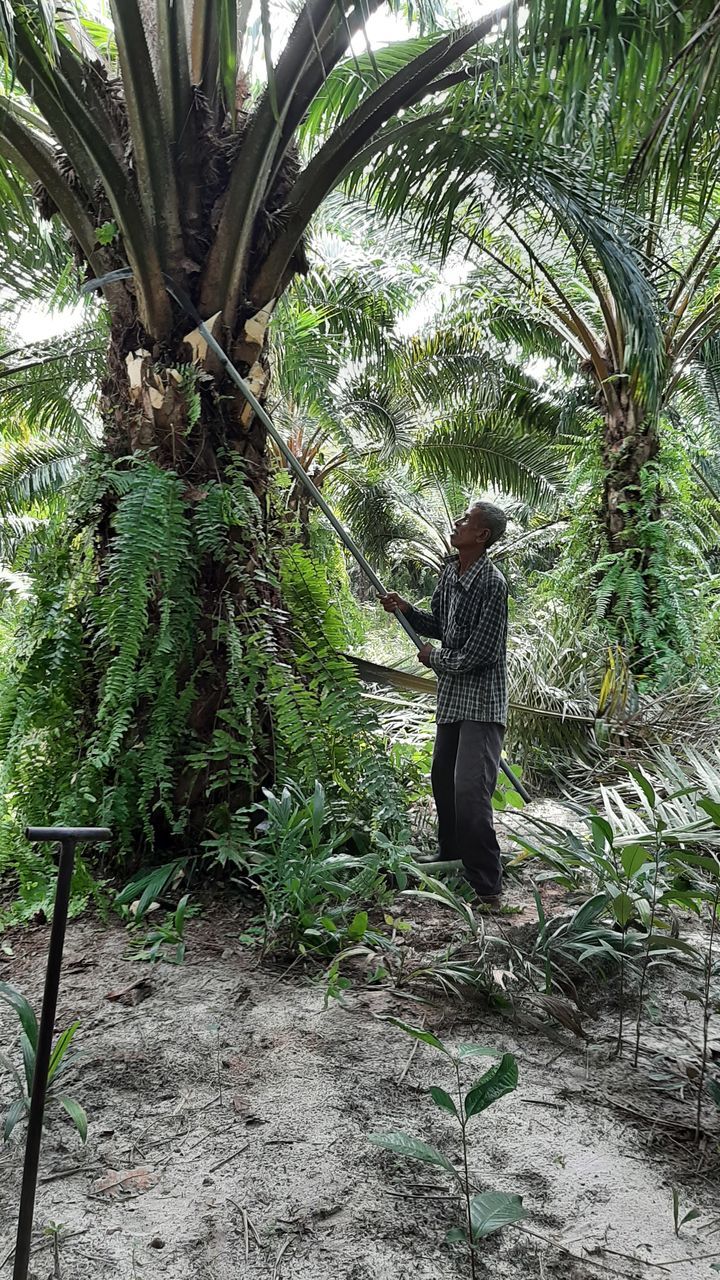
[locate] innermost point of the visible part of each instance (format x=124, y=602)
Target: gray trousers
x=465, y=767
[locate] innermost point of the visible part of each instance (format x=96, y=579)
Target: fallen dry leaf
x=76, y=966
x=128, y=1180
x=133, y=994
x=154, y=906
x=501, y=976
x=563, y=1012
x=240, y=1104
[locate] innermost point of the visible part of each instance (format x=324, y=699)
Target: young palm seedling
x=165, y=941
x=465, y=964
x=483, y=1212
x=433, y=890
x=626, y=873
x=314, y=888
x=690, y=1216
x=657, y=827
x=60, y=1060
x=706, y=868
x=54, y=1231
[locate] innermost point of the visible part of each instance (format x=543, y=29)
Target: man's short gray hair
x=494, y=519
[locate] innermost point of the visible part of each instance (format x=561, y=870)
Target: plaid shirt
x=468, y=614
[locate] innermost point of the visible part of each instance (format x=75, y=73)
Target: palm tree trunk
x=629, y=443
x=209, y=618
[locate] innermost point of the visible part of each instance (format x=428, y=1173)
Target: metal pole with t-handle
x=67, y=838
x=191, y=311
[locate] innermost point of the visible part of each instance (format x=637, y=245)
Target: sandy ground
x=230, y=1111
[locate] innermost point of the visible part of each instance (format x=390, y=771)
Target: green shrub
x=60, y=1059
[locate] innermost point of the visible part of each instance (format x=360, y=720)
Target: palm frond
x=327, y=167
x=36, y=264
x=371, y=503
x=492, y=458
x=682, y=138
x=650, y=70
x=480, y=165
x=305, y=356
x=511, y=323
x=50, y=387
x=354, y=81
x=377, y=419
x=32, y=471
x=457, y=367
x=345, y=311
x=553, y=677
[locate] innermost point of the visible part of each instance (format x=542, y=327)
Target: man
x=468, y=615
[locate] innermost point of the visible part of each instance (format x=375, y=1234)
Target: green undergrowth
x=106, y=660
x=655, y=596
x=640, y=900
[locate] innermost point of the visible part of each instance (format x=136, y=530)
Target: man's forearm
x=479, y=653
x=424, y=622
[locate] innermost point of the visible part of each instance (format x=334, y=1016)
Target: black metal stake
x=67, y=837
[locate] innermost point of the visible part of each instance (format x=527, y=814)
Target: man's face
x=469, y=531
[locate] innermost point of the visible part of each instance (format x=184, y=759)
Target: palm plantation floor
x=229, y=1114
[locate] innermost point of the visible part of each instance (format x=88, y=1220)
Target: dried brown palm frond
x=672, y=721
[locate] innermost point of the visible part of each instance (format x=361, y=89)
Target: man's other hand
x=424, y=654
x=392, y=601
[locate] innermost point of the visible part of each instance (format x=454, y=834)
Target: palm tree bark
x=178, y=411
x=629, y=442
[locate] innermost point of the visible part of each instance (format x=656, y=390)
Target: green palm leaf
x=482, y=164
x=31, y=471
x=35, y=260
x=353, y=81
x=490, y=456
x=52, y=385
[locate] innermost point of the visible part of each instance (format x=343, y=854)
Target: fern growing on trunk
x=110, y=709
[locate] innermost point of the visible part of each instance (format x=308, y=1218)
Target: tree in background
x=548, y=296
x=620, y=92
x=388, y=398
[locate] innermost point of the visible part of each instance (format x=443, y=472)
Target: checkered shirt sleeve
x=468, y=615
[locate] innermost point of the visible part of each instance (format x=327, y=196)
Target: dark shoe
x=428, y=855
x=493, y=901
x=482, y=895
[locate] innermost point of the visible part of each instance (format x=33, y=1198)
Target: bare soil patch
x=229, y=1114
